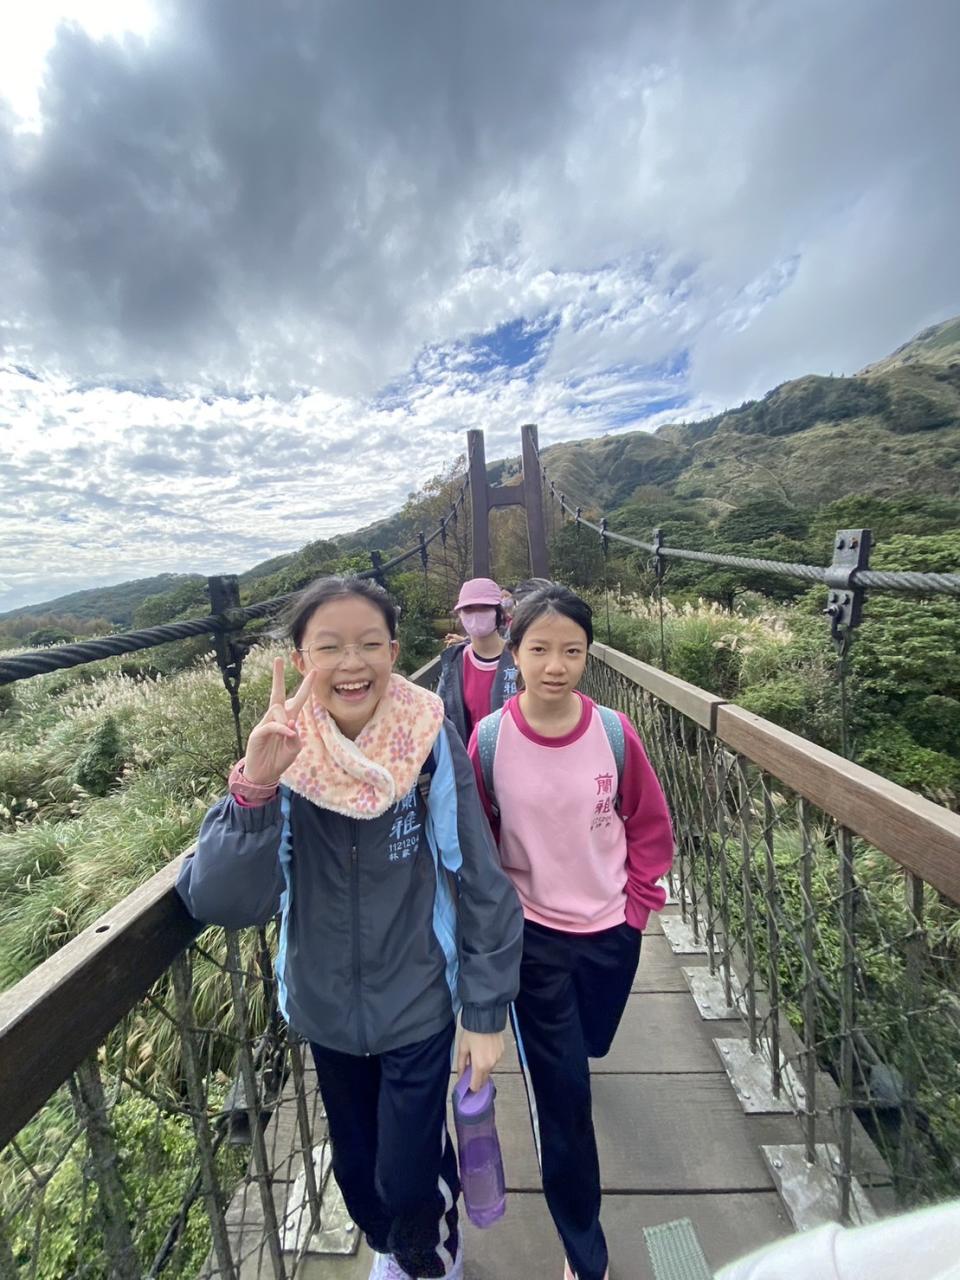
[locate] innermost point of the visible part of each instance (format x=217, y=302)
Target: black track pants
x=573, y=991
x=392, y=1155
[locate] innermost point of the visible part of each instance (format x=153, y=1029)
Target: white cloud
x=338, y=236
x=30, y=30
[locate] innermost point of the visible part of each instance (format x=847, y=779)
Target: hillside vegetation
x=106, y=770
x=117, y=603
x=773, y=478
x=891, y=429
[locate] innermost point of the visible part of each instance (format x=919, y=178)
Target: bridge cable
x=899, y=580
x=59, y=657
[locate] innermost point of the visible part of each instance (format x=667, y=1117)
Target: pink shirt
x=576, y=863
x=478, y=677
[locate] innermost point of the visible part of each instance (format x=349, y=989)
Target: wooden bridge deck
x=674, y=1143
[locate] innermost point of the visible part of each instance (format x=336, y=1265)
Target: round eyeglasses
x=327, y=654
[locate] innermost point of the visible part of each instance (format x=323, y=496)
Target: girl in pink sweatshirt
x=584, y=834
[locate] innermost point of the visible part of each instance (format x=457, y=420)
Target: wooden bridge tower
x=529, y=495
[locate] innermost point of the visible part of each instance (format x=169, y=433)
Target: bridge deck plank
x=673, y=1143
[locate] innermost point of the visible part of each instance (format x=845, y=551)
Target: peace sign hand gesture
x=274, y=743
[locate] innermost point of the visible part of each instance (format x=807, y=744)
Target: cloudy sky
x=264, y=262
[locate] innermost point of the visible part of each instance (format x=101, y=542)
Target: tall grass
x=66, y=854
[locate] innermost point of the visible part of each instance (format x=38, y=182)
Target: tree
x=189, y=600
x=911, y=513
x=761, y=520
x=576, y=558
x=449, y=558
x=311, y=561
x=906, y=664
x=49, y=635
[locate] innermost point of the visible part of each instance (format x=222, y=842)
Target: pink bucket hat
x=478, y=591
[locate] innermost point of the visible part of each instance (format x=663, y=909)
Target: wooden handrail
x=427, y=675
x=63, y=1010
x=921, y=836
x=696, y=704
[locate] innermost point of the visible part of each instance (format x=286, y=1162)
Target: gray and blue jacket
x=389, y=925
x=450, y=686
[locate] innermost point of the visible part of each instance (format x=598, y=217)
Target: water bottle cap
x=468, y=1104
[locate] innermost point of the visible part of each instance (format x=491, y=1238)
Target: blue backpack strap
x=613, y=728
x=488, y=731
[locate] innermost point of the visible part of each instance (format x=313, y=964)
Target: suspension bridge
x=774, y=1068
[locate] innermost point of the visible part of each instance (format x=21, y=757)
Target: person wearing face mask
x=477, y=675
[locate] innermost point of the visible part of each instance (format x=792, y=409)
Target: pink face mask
x=482, y=622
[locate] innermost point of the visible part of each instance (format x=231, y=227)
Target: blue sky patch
x=512, y=345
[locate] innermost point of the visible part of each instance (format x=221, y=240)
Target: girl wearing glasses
x=351, y=813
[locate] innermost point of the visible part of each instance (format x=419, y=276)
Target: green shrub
x=891, y=750
x=698, y=654
x=158, y=1162
x=787, y=701
x=935, y=721
x=46, y=636
x=99, y=763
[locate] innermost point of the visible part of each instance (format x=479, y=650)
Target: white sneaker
x=376, y=1271
x=386, y=1267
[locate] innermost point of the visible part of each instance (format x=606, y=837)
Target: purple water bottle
x=481, y=1164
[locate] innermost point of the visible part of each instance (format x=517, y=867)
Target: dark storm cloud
x=264, y=268
x=257, y=166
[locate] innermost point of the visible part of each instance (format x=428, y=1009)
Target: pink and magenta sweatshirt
x=478, y=677
x=577, y=864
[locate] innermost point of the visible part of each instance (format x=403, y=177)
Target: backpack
x=488, y=732
x=423, y=790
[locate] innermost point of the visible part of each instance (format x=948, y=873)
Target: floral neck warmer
x=362, y=779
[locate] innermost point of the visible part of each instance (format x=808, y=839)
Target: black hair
x=550, y=599
x=323, y=590
x=528, y=586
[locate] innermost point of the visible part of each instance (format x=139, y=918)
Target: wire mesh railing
x=159, y=1119
x=190, y=1142
x=826, y=901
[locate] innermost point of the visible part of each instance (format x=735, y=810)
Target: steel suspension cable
x=878, y=579
x=61, y=657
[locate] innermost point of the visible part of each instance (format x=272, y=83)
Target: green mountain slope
x=807, y=442
x=118, y=603
x=892, y=429
x=938, y=345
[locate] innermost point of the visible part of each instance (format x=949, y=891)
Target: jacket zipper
x=355, y=890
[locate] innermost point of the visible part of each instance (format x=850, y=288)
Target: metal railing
x=227, y=616
x=826, y=901
x=157, y=1118
x=848, y=576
